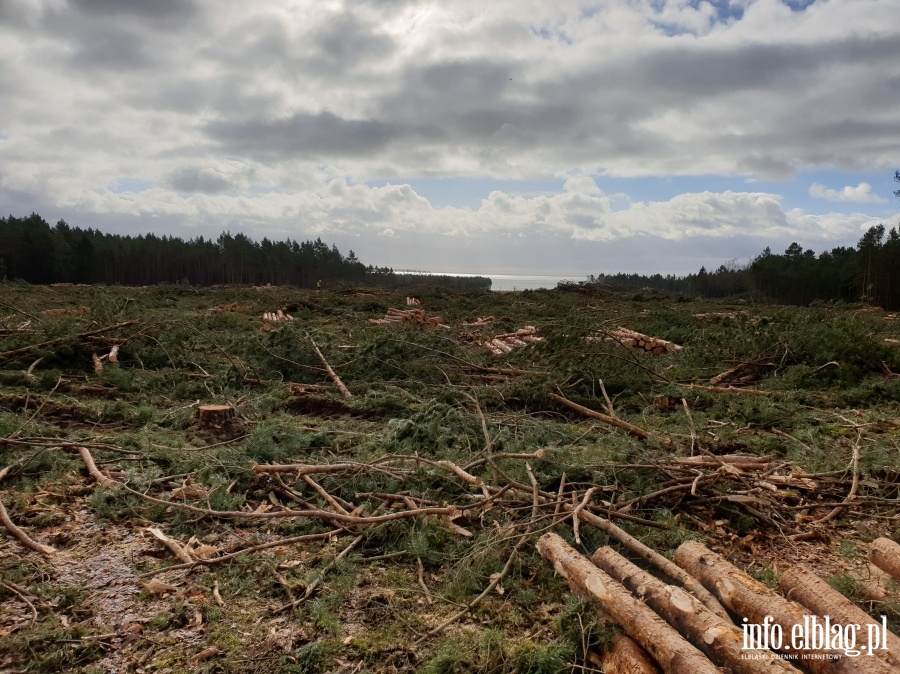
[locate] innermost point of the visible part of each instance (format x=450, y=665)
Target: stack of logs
x=675, y=632
x=500, y=344
x=276, y=317
x=637, y=340
x=414, y=316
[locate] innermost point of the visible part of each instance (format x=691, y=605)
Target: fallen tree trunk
x=668, y=648
x=717, y=637
x=885, y=554
x=802, y=585
x=625, y=657
x=331, y=373
x=760, y=606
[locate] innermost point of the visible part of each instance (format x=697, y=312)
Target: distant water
x=501, y=282
x=505, y=282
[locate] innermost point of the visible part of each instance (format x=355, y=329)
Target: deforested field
x=356, y=480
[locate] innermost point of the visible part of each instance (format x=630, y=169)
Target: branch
x=612, y=421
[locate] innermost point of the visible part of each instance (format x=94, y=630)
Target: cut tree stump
x=885, y=554
x=717, y=637
x=214, y=415
x=668, y=648
x=802, y=585
x=751, y=600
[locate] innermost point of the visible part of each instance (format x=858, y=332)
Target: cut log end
x=885, y=554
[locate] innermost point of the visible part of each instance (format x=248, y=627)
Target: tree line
x=33, y=251
x=869, y=272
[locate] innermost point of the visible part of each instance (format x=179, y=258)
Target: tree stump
x=214, y=416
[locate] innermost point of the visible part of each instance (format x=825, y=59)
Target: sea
x=508, y=282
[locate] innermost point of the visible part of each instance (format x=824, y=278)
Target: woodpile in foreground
x=813, y=628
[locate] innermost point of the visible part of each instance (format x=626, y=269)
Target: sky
x=511, y=136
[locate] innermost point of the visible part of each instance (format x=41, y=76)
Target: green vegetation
x=421, y=395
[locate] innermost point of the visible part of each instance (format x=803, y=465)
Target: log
x=758, y=605
x=802, y=585
x=625, y=657
x=214, y=415
x=717, y=637
x=665, y=645
x=885, y=554
x=673, y=571
x=331, y=373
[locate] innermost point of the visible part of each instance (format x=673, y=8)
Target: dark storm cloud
x=197, y=180
x=304, y=135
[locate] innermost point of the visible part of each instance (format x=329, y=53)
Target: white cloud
x=269, y=114
x=862, y=193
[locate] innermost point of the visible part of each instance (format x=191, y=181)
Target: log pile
x=73, y=311
x=500, y=344
x=271, y=317
x=412, y=302
x=684, y=636
x=637, y=340
x=412, y=316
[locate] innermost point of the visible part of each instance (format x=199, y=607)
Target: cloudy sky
x=510, y=136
